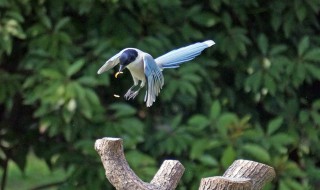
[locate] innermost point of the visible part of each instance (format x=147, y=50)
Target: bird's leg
x=133, y=94
x=129, y=92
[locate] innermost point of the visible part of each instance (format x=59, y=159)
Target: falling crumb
x=116, y=95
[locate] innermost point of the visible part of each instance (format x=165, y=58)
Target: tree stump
x=221, y=183
x=241, y=175
x=122, y=177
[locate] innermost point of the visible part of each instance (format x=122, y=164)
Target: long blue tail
x=175, y=57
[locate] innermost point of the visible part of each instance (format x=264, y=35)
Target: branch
x=122, y=177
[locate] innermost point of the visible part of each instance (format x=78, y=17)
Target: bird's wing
x=175, y=57
x=113, y=61
x=154, y=78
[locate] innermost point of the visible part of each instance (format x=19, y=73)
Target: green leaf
x=61, y=23
x=46, y=21
x=283, y=185
x=51, y=73
x=274, y=125
x=122, y=110
x=228, y=156
x=19, y=156
x=301, y=71
x=138, y=159
x=92, y=97
x=301, y=12
x=281, y=139
x=192, y=31
x=7, y=44
x=215, y=110
x=215, y=5
x=67, y=116
x=316, y=117
x=303, y=45
x=313, y=55
x=198, y=148
x=208, y=160
x=304, y=116
x=278, y=50
x=257, y=152
x=276, y=21
x=293, y=184
x=205, y=19
x=85, y=145
x=224, y=122
x=226, y=19
x=316, y=104
x=288, y=25
x=255, y=81
x=313, y=70
x=16, y=15
x=270, y=84
x=198, y=121
x=88, y=81
x=188, y=87
x=75, y=67
x=191, y=78
x=294, y=169
x=176, y=121
x=263, y=43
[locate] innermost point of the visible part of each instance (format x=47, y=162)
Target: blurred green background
x=254, y=95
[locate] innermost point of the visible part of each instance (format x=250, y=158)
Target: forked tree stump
x=121, y=175
x=241, y=175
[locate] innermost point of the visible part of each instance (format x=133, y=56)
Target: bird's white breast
x=136, y=68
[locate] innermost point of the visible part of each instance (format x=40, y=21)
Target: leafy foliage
x=254, y=95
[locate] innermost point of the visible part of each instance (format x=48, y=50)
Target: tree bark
x=222, y=183
x=122, y=177
x=241, y=175
x=169, y=174
x=260, y=174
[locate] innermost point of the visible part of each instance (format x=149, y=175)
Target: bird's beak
x=120, y=71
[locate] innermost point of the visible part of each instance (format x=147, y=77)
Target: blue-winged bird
x=143, y=67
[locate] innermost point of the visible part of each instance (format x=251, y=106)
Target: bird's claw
x=131, y=94
x=128, y=94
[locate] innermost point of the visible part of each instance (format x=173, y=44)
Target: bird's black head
x=128, y=56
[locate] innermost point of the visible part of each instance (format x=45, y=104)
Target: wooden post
x=122, y=177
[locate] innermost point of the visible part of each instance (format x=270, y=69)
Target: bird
x=148, y=71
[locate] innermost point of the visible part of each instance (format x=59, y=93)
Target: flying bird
x=143, y=67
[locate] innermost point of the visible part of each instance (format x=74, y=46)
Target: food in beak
x=116, y=95
x=116, y=75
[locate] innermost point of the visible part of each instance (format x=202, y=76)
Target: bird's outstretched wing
x=154, y=78
x=175, y=57
x=113, y=61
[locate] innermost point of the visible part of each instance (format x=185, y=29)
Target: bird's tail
x=176, y=57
